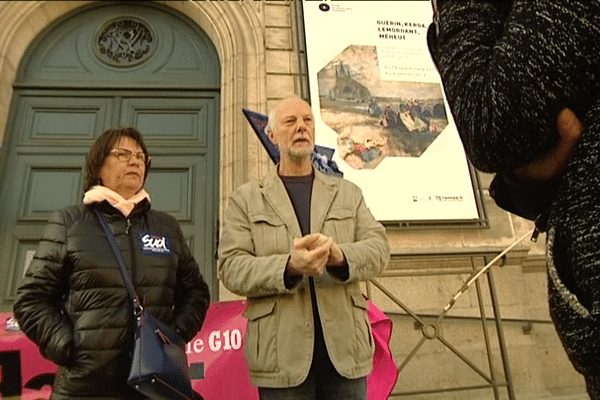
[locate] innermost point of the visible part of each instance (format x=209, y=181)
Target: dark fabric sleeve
x=290, y=280
x=507, y=72
x=342, y=273
x=38, y=307
x=192, y=296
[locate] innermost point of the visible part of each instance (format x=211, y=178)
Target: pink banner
x=216, y=357
x=219, y=345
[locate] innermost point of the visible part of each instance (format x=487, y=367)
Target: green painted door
x=69, y=92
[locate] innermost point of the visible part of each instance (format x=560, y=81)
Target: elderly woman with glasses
x=73, y=303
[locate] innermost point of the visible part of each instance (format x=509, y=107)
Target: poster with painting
x=378, y=101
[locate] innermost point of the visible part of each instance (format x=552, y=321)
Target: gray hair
x=271, y=120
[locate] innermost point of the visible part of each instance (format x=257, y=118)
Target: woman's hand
x=552, y=164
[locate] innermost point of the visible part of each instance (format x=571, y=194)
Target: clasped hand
x=552, y=164
x=311, y=254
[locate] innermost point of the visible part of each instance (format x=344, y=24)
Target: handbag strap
x=137, y=306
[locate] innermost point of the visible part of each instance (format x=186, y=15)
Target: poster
x=378, y=101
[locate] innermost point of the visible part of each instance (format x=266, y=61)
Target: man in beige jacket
x=296, y=243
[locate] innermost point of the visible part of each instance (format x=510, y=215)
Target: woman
x=511, y=70
x=73, y=303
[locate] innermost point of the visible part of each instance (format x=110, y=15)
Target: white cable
x=483, y=270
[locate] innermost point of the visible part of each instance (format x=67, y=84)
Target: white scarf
x=99, y=193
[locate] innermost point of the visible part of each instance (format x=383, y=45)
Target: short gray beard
x=299, y=155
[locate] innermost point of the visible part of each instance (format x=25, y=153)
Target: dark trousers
x=323, y=382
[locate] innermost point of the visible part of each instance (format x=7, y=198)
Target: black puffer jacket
x=73, y=303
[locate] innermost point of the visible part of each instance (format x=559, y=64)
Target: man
x=296, y=243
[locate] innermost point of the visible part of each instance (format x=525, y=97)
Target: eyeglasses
x=125, y=155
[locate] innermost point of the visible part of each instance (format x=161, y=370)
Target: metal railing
x=430, y=324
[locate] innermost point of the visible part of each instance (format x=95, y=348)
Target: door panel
x=42, y=183
x=175, y=122
x=22, y=250
x=46, y=182
x=51, y=120
x=171, y=191
x=49, y=189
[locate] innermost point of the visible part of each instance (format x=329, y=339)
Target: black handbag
x=525, y=199
x=159, y=369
